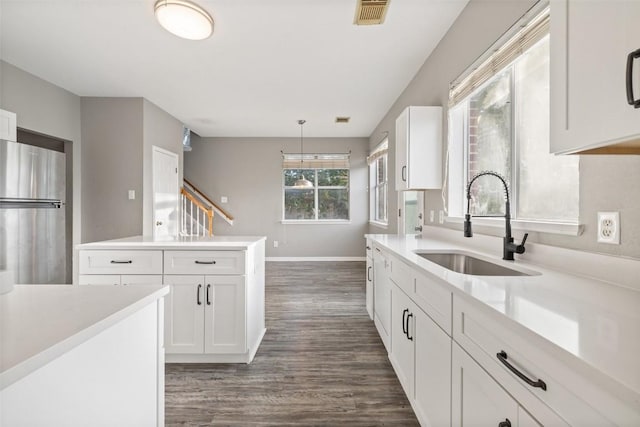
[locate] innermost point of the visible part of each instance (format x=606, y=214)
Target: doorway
x=411, y=212
x=166, y=189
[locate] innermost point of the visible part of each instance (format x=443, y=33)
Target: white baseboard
x=316, y=258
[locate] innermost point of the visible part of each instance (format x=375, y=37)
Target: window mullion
x=315, y=190
x=515, y=149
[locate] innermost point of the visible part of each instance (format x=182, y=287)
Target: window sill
x=565, y=228
x=315, y=222
x=378, y=224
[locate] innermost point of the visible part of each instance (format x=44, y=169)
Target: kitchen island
x=79, y=356
x=214, y=312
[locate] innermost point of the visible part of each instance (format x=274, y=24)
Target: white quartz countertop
x=596, y=323
x=188, y=243
x=39, y=323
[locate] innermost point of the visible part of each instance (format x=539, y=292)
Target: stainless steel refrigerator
x=32, y=214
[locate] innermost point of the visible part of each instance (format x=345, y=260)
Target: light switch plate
x=132, y=194
x=224, y=199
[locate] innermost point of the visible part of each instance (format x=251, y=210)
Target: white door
x=184, y=314
x=224, y=319
x=166, y=191
x=411, y=216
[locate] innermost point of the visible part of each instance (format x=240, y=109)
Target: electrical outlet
x=441, y=217
x=275, y=243
x=432, y=216
x=609, y=227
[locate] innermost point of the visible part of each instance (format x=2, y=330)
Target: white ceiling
x=268, y=63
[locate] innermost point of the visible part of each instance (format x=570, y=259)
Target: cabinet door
x=99, y=279
x=382, y=297
x=225, y=314
x=432, y=400
x=476, y=399
x=588, y=93
x=402, y=150
x=184, y=314
x=403, y=332
x=369, y=287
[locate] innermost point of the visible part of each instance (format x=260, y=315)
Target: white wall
x=607, y=183
x=249, y=172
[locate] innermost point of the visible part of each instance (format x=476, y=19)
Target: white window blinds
x=315, y=161
x=500, y=56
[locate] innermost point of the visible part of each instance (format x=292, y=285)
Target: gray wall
x=606, y=182
x=249, y=172
x=112, y=158
x=164, y=131
x=48, y=109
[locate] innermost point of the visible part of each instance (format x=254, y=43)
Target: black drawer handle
x=410, y=315
x=208, y=297
x=113, y=261
x=631, y=99
x=404, y=322
x=369, y=273
x=404, y=173
x=198, y=295
x=505, y=423
x=368, y=248
x=205, y=262
x=502, y=356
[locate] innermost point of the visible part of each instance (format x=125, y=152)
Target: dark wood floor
x=321, y=362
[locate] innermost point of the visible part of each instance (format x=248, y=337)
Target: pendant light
x=184, y=19
x=302, y=182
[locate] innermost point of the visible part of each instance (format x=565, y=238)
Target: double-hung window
x=499, y=121
x=378, y=184
x=325, y=197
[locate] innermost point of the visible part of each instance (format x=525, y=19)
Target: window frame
x=374, y=185
x=458, y=165
x=316, y=188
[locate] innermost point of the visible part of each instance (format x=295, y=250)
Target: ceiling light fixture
x=302, y=182
x=184, y=19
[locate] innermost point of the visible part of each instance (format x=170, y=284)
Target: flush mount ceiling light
x=184, y=19
x=302, y=182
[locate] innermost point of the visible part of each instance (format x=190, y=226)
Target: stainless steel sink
x=468, y=264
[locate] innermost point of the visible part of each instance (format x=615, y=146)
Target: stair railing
x=201, y=220
x=208, y=202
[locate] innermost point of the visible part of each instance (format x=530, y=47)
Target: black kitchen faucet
x=508, y=247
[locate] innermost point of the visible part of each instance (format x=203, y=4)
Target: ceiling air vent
x=342, y=119
x=371, y=12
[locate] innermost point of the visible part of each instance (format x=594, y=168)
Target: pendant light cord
x=301, y=123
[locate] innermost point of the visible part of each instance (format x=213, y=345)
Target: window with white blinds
x=499, y=57
x=315, y=161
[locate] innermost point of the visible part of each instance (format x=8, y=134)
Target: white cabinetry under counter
x=215, y=308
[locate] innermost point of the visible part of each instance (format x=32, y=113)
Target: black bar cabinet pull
x=208, y=297
x=630, y=96
x=113, y=261
x=368, y=248
x=205, y=262
x=404, y=324
x=198, y=295
x=404, y=173
x=369, y=273
x=502, y=356
x=505, y=423
x=410, y=338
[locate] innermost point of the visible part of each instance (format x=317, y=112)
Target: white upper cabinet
x=8, y=123
x=419, y=148
x=590, y=45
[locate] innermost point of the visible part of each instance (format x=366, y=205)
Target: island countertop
x=180, y=242
x=39, y=323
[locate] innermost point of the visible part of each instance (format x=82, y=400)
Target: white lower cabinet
x=205, y=314
x=369, y=281
x=402, y=353
x=432, y=399
x=382, y=297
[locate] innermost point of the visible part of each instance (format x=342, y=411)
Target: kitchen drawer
x=570, y=392
x=435, y=299
x=141, y=279
x=99, y=279
x=120, y=262
x=403, y=275
x=204, y=262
